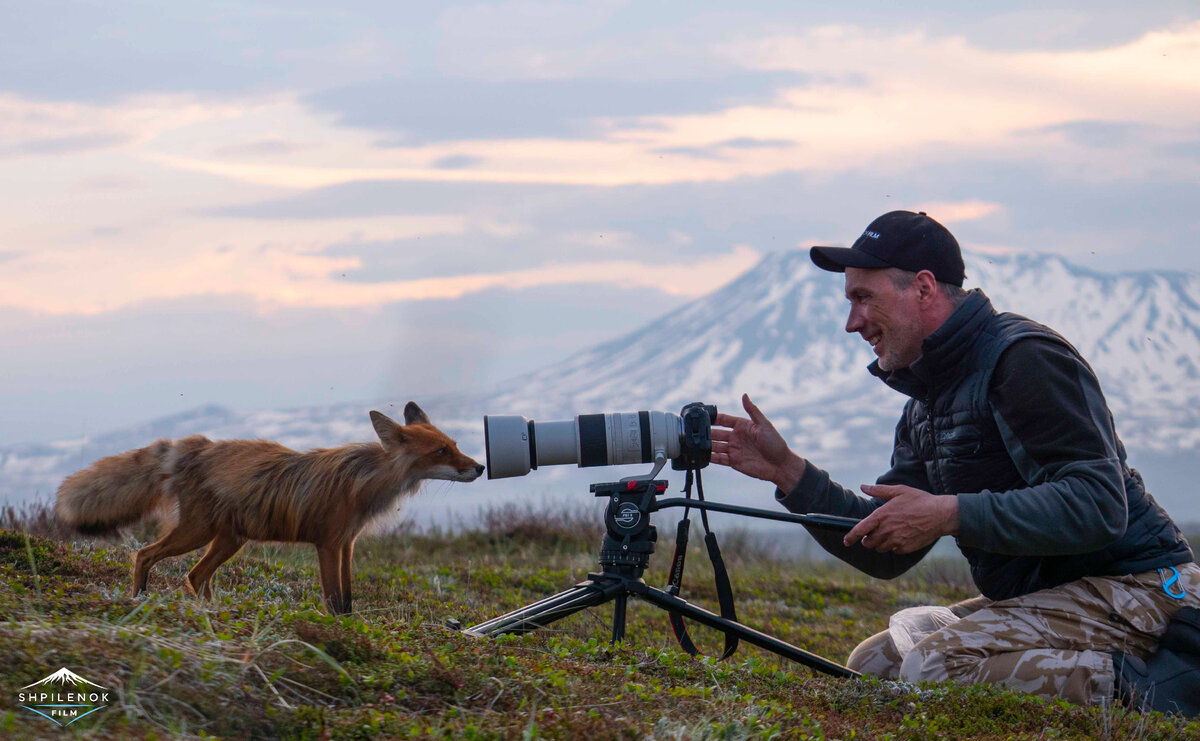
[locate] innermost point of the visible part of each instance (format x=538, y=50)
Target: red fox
x=226, y=493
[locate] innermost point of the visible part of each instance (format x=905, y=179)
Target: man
x=1007, y=444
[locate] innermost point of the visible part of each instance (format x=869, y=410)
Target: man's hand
x=910, y=520
x=754, y=447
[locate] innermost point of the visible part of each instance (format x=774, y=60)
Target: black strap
x=720, y=576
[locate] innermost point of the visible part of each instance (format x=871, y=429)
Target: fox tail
x=120, y=489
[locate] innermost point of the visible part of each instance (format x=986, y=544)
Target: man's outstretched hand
x=754, y=447
x=908, y=521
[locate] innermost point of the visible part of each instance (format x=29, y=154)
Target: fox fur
x=225, y=493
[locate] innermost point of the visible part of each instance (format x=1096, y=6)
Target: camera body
x=696, y=420
x=516, y=445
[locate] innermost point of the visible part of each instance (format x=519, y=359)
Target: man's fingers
x=882, y=542
x=859, y=531
x=884, y=491
x=878, y=540
x=754, y=412
x=726, y=420
x=721, y=434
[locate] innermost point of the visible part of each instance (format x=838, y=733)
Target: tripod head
x=629, y=537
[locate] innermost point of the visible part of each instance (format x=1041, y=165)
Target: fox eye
x=444, y=451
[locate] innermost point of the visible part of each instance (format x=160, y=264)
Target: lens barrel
x=516, y=445
x=507, y=441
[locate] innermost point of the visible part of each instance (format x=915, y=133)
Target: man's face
x=887, y=317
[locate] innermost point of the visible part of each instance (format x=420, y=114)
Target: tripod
x=628, y=542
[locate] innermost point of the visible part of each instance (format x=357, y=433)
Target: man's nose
x=854, y=321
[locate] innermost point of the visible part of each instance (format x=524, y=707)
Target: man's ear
x=413, y=415
x=389, y=432
x=927, y=284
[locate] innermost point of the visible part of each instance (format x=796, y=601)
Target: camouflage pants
x=1054, y=643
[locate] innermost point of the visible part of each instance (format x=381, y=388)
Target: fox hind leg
x=329, y=557
x=344, y=576
x=175, y=543
x=221, y=549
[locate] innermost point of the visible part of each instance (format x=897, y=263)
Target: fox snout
x=471, y=473
x=466, y=469
x=466, y=472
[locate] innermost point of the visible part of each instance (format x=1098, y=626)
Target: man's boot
x=1168, y=681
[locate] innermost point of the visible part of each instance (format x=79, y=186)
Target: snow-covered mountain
x=775, y=332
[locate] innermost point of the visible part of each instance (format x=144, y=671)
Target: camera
x=515, y=445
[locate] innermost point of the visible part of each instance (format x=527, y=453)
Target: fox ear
x=389, y=432
x=413, y=415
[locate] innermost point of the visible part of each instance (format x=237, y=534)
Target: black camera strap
x=720, y=573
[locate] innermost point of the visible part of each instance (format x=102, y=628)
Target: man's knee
x=876, y=656
x=924, y=664
x=931, y=660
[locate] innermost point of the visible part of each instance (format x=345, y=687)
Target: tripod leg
x=568, y=602
x=618, y=628
x=749, y=635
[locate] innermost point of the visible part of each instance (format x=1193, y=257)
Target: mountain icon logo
x=63, y=697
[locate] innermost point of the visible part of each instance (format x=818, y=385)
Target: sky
x=273, y=204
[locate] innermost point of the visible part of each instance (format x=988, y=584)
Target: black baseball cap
x=899, y=239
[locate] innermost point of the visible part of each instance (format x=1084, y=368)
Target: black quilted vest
x=952, y=431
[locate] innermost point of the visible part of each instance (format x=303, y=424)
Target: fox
x=225, y=493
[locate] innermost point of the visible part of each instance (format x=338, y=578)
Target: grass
x=263, y=660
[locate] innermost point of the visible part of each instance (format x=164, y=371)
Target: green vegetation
x=263, y=660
